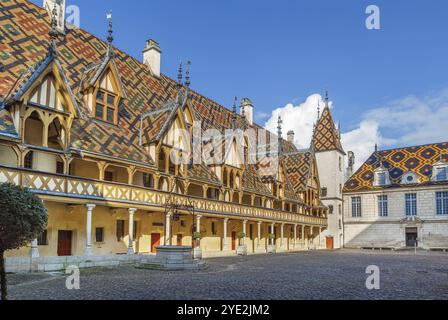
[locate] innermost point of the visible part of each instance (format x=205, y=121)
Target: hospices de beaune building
x=91, y=130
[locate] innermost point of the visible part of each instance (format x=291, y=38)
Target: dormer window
x=48, y=95
x=441, y=173
x=106, y=106
x=381, y=177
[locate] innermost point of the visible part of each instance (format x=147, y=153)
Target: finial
x=326, y=97
x=376, y=147
x=180, y=75
x=187, y=75
x=318, y=110
x=279, y=128
x=110, y=37
x=54, y=24
x=234, y=113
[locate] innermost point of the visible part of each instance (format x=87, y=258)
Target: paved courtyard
x=310, y=275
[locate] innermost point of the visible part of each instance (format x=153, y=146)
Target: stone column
x=303, y=237
x=224, y=239
x=272, y=231
x=295, y=236
x=88, y=250
x=34, y=253
x=259, y=234
x=244, y=231
x=131, y=230
x=198, y=223
x=320, y=236
x=168, y=229
x=282, y=240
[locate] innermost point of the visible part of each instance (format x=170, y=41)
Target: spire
x=327, y=99
x=110, y=37
x=54, y=29
x=279, y=133
x=179, y=75
x=234, y=113
x=187, y=75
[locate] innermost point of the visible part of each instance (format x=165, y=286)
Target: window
x=28, y=161
x=442, y=203
x=60, y=167
x=99, y=235
x=120, y=230
x=340, y=188
x=43, y=239
x=441, y=174
x=356, y=207
x=148, y=181
x=382, y=178
x=330, y=209
x=382, y=206
x=324, y=192
x=105, y=108
x=340, y=209
x=340, y=224
x=411, y=204
x=214, y=232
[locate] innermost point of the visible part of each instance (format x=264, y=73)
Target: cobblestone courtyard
x=311, y=275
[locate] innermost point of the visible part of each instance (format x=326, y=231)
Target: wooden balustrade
x=61, y=185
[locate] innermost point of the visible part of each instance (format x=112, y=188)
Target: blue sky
x=280, y=52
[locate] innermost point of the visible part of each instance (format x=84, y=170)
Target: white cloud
x=403, y=122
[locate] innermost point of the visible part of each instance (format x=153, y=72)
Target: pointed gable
x=326, y=136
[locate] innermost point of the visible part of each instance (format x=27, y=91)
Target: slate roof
x=398, y=162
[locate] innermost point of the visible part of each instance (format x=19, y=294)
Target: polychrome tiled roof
x=299, y=169
x=326, y=136
x=418, y=160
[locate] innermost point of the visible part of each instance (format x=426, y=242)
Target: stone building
x=93, y=132
x=399, y=199
x=330, y=157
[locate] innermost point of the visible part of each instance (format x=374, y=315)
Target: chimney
x=351, y=164
x=291, y=136
x=151, y=57
x=60, y=12
x=248, y=109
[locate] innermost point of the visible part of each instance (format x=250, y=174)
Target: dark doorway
x=155, y=241
x=233, y=240
x=64, y=243
x=179, y=240
x=411, y=237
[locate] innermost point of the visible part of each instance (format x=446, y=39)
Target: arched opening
x=116, y=174
x=236, y=198
x=84, y=169
x=238, y=181
x=257, y=202
x=144, y=179
x=227, y=196
x=44, y=162
x=163, y=184
x=8, y=156
x=232, y=180
x=247, y=200
x=56, y=135
x=212, y=193
x=195, y=190
x=162, y=161
x=34, y=129
x=225, y=180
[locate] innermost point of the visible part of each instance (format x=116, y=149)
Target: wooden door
x=179, y=240
x=233, y=240
x=330, y=243
x=64, y=243
x=155, y=241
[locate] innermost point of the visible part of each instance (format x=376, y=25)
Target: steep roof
x=326, y=136
x=398, y=162
x=299, y=169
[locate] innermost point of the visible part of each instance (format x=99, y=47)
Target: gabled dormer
x=42, y=104
x=440, y=170
x=381, y=177
x=102, y=91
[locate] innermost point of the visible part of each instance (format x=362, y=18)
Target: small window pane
x=120, y=230
x=99, y=111
x=100, y=96
x=110, y=100
x=43, y=239
x=110, y=115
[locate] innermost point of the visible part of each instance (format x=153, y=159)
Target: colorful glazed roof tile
x=398, y=162
x=252, y=182
x=299, y=169
x=326, y=136
x=24, y=44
